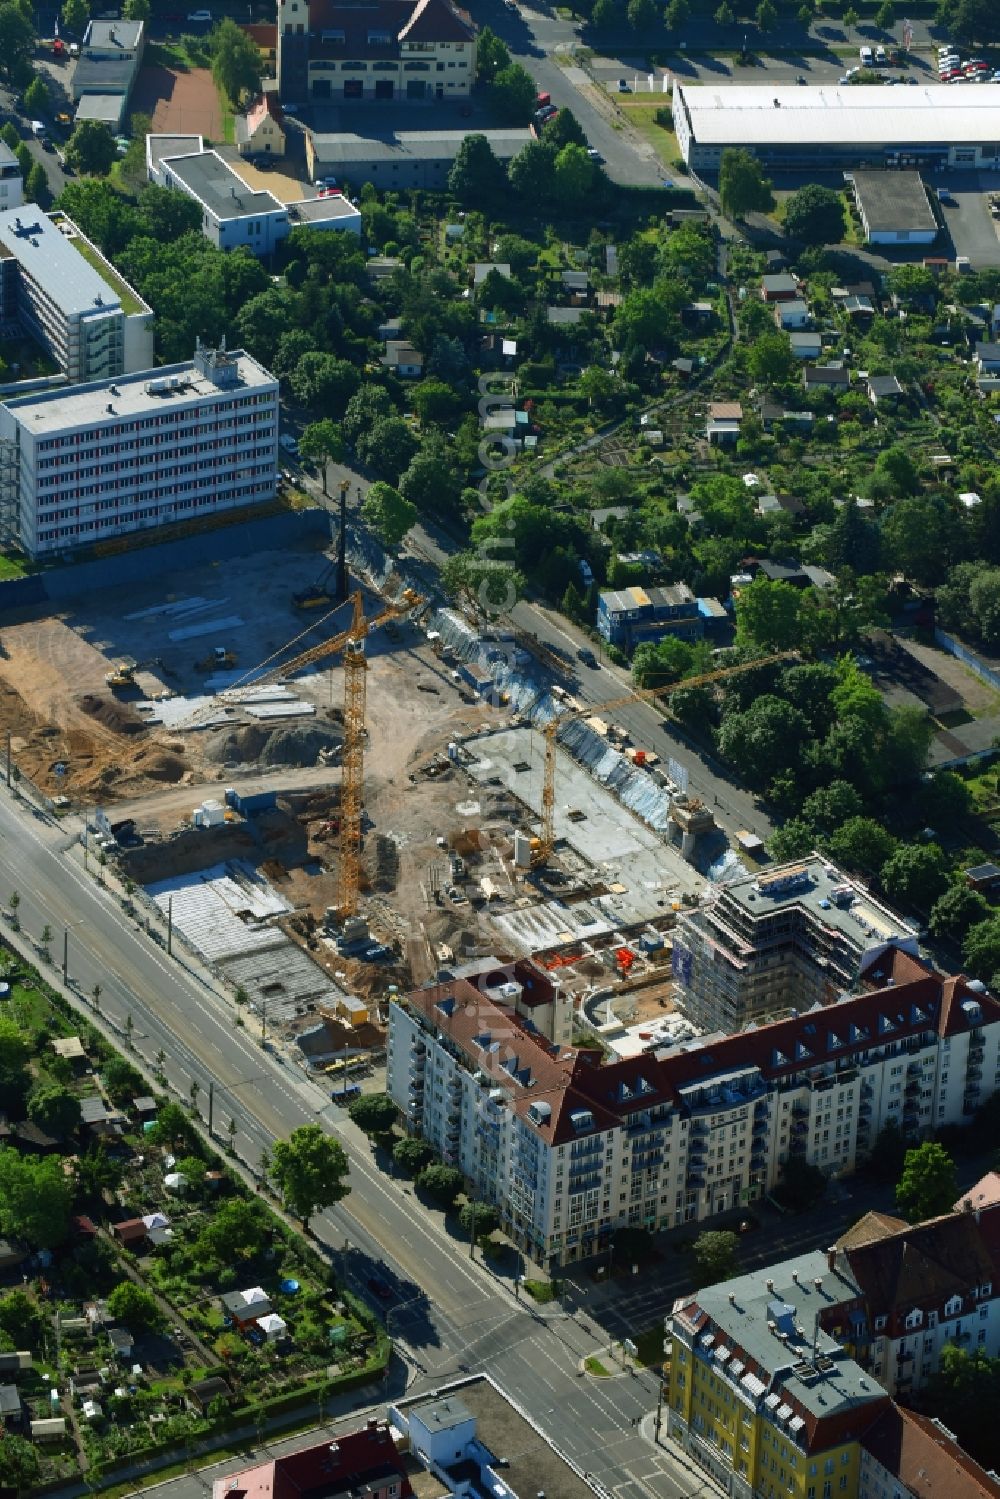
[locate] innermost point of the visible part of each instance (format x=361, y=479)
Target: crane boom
x=546, y=841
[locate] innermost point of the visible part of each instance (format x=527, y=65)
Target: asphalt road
x=450, y=1315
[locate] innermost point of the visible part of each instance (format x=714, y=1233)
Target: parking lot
x=967, y=220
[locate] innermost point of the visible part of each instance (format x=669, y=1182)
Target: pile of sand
x=292, y=745
x=117, y=717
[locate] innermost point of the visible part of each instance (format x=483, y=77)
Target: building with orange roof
x=260, y=130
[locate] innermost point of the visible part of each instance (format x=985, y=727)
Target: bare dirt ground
x=179, y=103
x=980, y=699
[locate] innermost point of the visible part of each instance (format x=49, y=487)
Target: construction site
x=334, y=789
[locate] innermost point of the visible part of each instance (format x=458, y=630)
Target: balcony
x=694, y=1180
x=973, y=1074
x=416, y=1087
x=583, y=1183
x=976, y=1051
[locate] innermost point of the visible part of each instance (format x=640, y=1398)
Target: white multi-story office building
x=570, y=1149
x=88, y=462
x=770, y=943
x=11, y=185
x=62, y=291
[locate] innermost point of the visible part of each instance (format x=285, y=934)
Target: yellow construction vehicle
x=317, y=594
x=219, y=660
x=120, y=677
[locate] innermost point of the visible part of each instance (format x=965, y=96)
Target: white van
x=867, y=56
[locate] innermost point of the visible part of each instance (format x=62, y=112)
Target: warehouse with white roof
x=851, y=126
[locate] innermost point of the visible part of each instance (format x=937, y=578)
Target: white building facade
x=89, y=462
x=570, y=1150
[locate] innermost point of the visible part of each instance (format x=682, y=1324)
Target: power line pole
x=65, y=964
x=170, y=925
x=211, y=1107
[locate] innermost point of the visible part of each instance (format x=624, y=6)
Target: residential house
x=576, y=286
x=11, y=1410
x=244, y=1307
x=835, y=377
x=15, y=1363
x=910, y=1291
x=201, y=1393
x=122, y=1344
x=985, y=878
x=391, y=328
x=723, y=425
x=628, y=617
x=71, y=1049
x=884, y=388
x=483, y=268
x=698, y=316
x=402, y=358
x=905, y=1455
x=988, y=358
x=12, y=1254
x=131, y=1232
x=861, y=309
x=806, y=345
x=775, y=260
x=106, y=69
x=683, y=367
x=760, y=1395
x=564, y=317
x=792, y=314
x=673, y=1137
x=600, y=516
x=260, y=129
x=781, y=287
x=363, y=1462
x=391, y=51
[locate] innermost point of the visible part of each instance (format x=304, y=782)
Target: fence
x=968, y=658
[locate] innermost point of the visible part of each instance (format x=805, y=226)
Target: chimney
x=818, y=1284
x=795, y=1277
x=769, y=1284
x=831, y=1258
x=732, y=1298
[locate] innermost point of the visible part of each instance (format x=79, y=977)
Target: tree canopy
x=91, y=148
x=310, y=1171
x=815, y=215
x=928, y=1185
x=236, y=63
x=743, y=188
x=35, y=1198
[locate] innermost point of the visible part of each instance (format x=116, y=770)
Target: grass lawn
x=11, y=567
x=540, y=1290
x=167, y=55
x=596, y=1368
x=642, y=118
x=650, y=1346
x=130, y=302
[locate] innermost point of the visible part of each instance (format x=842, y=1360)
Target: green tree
x=387, y=448
x=324, y=383
x=915, y=874
x=513, y=94
x=76, y=14
x=793, y=840
x=17, y=42
x=767, y=615
x=981, y=951
x=25, y=160
x=802, y=1184
x=21, y=1318
x=895, y=468
x=412, y=1155
x=375, y=1113
x=96, y=1172
x=321, y=443
x=55, y=1109
x=743, y=188
x=764, y=740
x=917, y=536
x=371, y=404
x=724, y=16
x=35, y=1198
x=928, y=1186
x=828, y=807
x=885, y=16
x=479, y=1217
x=664, y=661
x=958, y=909
x=851, y=18
x=492, y=57
x=236, y=65
x=477, y=178
x=649, y=319
x=862, y=844
x=121, y=1080
x=238, y=1228
x=310, y=1170
x=531, y=173
x=772, y=359
x=14, y=1076
x=19, y=1462
x=442, y=1183
x=677, y=15
x=136, y=1307
x=488, y=584
x=431, y=482
x=815, y=215
x=173, y=1128
x=36, y=183
x=10, y=136
x=766, y=16
x=36, y=97
x=564, y=129
x=435, y=402
x=715, y=1258
x=91, y=148
x=642, y=14
x=136, y=10
x=573, y=176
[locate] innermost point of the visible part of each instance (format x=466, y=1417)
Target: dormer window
x=879, y=1324
x=953, y=1307
x=379, y=38
x=915, y=1318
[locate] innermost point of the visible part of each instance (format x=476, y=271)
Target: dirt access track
x=72, y=736
x=179, y=103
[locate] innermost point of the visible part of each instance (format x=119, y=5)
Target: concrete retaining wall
x=268, y=533
x=968, y=658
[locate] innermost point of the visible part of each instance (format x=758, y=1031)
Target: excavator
x=318, y=594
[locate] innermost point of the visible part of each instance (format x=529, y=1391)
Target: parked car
x=199, y=17
x=380, y=1288
x=624, y=87
x=945, y=195
x=594, y=154
x=586, y=655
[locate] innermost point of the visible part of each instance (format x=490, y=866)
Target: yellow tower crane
x=352, y=784
x=546, y=840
